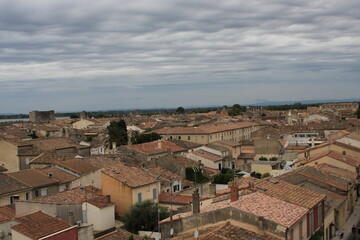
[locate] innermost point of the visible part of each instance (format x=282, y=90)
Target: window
x=219, y=166
x=176, y=188
x=188, y=137
x=27, y=196
x=14, y=198
x=44, y=192
x=179, y=137
x=36, y=193
x=139, y=197
x=154, y=193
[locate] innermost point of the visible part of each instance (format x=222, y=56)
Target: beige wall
x=206, y=162
x=231, y=135
x=101, y=218
x=329, y=219
x=5, y=227
x=18, y=236
x=146, y=192
x=93, y=178
x=120, y=194
x=8, y=156
x=124, y=196
x=331, y=162
x=260, y=168
x=5, y=200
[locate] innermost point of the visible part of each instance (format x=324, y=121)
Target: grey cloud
x=70, y=47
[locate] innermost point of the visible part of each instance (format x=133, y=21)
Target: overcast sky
x=71, y=55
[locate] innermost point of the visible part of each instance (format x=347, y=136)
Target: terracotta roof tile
x=289, y=192
x=119, y=234
x=175, y=198
x=58, y=174
x=156, y=147
x=33, y=178
x=258, y=204
x=223, y=231
x=77, y=165
x=337, y=171
x=9, y=184
x=209, y=156
x=6, y=214
x=72, y=196
x=39, y=224
x=131, y=176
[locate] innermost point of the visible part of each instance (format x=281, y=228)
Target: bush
x=273, y=159
x=255, y=175
x=263, y=158
x=190, y=175
x=222, y=178
x=144, y=216
x=265, y=175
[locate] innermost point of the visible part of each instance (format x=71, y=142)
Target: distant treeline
x=285, y=107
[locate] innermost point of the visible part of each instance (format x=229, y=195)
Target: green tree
x=145, y=137
x=144, y=216
x=236, y=110
x=180, y=110
x=117, y=133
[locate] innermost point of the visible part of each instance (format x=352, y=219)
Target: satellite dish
x=171, y=231
x=196, y=234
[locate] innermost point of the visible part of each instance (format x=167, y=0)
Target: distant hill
x=313, y=101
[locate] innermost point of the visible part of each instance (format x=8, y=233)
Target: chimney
x=113, y=145
x=107, y=198
x=196, y=201
x=344, y=155
x=234, y=192
x=169, y=152
x=71, y=220
x=159, y=144
x=313, y=142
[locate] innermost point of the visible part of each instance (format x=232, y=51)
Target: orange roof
x=39, y=224
x=131, y=176
x=156, y=147
x=258, y=204
x=289, y=193
x=207, y=155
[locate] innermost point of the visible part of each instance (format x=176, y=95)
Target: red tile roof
x=77, y=166
x=258, y=204
x=289, y=192
x=33, y=178
x=175, y=198
x=156, y=147
x=130, y=176
x=337, y=171
x=39, y=224
x=119, y=234
x=209, y=156
x=6, y=214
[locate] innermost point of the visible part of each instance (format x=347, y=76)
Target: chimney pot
x=234, y=192
x=196, y=202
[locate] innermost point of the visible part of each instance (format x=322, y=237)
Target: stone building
x=41, y=116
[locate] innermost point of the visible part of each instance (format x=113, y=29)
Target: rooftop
x=131, y=176
x=119, y=234
x=72, y=196
x=205, y=129
x=223, y=231
x=39, y=224
x=9, y=184
x=289, y=192
x=258, y=204
x=156, y=147
x=33, y=178
x=207, y=155
x=77, y=165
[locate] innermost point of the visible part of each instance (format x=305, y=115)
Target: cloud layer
x=73, y=55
